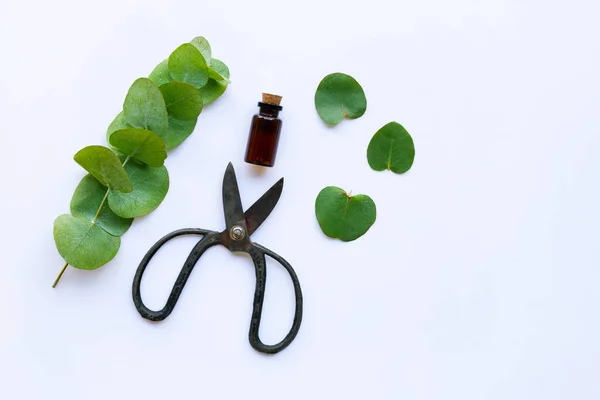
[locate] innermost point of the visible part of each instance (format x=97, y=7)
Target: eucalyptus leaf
x=218, y=71
x=219, y=67
x=89, y=202
x=140, y=144
x=212, y=90
x=118, y=123
x=342, y=216
x=391, y=148
x=150, y=186
x=212, y=74
x=187, y=64
x=82, y=243
x=339, y=96
x=105, y=166
x=182, y=99
x=178, y=131
x=144, y=106
x=203, y=47
x=160, y=74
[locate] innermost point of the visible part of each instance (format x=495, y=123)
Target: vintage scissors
x=236, y=237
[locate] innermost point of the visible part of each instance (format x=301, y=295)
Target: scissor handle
x=210, y=239
x=258, y=252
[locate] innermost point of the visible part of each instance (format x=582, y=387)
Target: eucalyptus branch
x=159, y=113
x=62, y=271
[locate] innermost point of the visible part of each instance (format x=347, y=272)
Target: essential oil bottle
x=264, y=132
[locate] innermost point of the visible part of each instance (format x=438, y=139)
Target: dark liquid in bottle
x=264, y=136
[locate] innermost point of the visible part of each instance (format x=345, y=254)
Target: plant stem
x=100, y=207
x=62, y=271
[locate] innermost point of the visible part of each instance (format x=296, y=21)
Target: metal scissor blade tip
x=260, y=210
x=232, y=203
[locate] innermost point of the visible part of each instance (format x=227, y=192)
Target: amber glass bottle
x=264, y=132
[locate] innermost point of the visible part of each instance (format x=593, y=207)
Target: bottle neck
x=269, y=110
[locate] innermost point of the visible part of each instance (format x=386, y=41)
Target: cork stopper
x=271, y=99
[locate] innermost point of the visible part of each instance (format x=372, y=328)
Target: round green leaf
x=212, y=90
x=188, y=65
x=87, y=199
x=339, y=96
x=117, y=123
x=203, y=47
x=144, y=106
x=220, y=67
x=140, y=144
x=212, y=74
x=178, y=131
x=183, y=100
x=342, y=216
x=150, y=186
x=105, y=166
x=218, y=71
x=160, y=74
x=84, y=244
x=391, y=148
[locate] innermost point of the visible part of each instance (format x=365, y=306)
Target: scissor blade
x=260, y=210
x=232, y=203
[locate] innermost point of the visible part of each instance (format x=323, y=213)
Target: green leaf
x=391, y=148
x=150, y=186
x=117, y=123
x=105, y=166
x=342, y=216
x=160, y=74
x=178, y=131
x=212, y=90
x=88, y=198
x=145, y=107
x=218, y=71
x=203, y=47
x=339, y=96
x=188, y=65
x=219, y=67
x=212, y=74
x=183, y=100
x=82, y=243
x=140, y=144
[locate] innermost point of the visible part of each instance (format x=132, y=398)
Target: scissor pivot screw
x=237, y=233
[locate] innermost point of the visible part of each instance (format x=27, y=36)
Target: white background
x=478, y=280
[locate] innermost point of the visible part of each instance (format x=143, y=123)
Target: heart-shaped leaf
x=140, y=144
x=160, y=74
x=342, y=216
x=339, y=96
x=105, y=166
x=182, y=99
x=89, y=197
x=178, y=131
x=144, y=106
x=186, y=64
x=203, y=47
x=150, y=186
x=82, y=243
x=391, y=148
